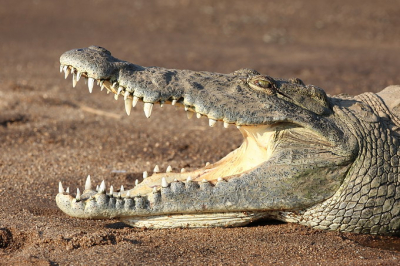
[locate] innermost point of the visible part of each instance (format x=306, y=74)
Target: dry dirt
x=51, y=132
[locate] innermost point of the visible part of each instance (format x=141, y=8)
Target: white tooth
x=122, y=189
x=102, y=187
x=136, y=182
x=204, y=181
x=111, y=190
x=116, y=96
x=98, y=82
x=189, y=114
x=164, y=182
x=90, y=84
x=119, y=195
x=72, y=70
x=78, y=75
x=220, y=179
x=188, y=179
x=175, y=180
x=61, y=68
x=119, y=90
x=60, y=188
x=211, y=122
x=169, y=169
x=126, y=95
x=183, y=170
x=198, y=115
x=78, y=194
x=114, y=85
x=145, y=174
x=128, y=194
x=226, y=124
x=207, y=163
x=238, y=126
x=88, y=183
x=101, y=85
x=147, y=109
x=74, y=79
x=66, y=71
x=97, y=188
x=67, y=190
x=161, y=104
x=174, y=102
x=108, y=92
x=135, y=101
x=156, y=169
x=128, y=106
x=186, y=108
x=154, y=189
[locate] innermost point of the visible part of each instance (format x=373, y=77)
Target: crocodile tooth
x=226, y=124
x=189, y=179
x=119, y=195
x=211, y=122
x=108, y=92
x=90, y=84
x=128, y=106
x=174, y=102
x=97, y=188
x=97, y=82
x=164, y=182
x=183, y=170
x=102, y=187
x=135, y=101
x=156, y=169
x=74, y=79
x=116, y=96
x=60, y=188
x=126, y=95
x=238, y=126
x=78, y=75
x=207, y=163
x=114, y=85
x=204, y=181
x=101, y=85
x=169, y=169
x=186, y=108
x=145, y=174
x=119, y=90
x=147, y=109
x=67, y=190
x=66, y=71
x=61, y=68
x=111, y=191
x=154, y=189
x=78, y=194
x=136, y=182
x=189, y=114
x=88, y=183
x=161, y=104
x=72, y=70
x=220, y=179
x=128, y=194
x=122, y=189
x=198, y=115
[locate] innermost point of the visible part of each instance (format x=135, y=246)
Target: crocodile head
x=295, y=153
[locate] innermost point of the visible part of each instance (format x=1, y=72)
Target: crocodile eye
x=263, y=83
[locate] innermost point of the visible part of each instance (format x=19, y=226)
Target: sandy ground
x=50, y=132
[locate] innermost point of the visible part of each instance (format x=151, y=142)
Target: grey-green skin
x=335, y=162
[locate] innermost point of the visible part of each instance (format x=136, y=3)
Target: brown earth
x=50, y=132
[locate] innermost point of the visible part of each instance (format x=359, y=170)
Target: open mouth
x=257, y=147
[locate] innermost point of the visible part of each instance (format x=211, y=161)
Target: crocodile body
x=327, y=162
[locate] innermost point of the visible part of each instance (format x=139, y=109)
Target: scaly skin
x=326, y=162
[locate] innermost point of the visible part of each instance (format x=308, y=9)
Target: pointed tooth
x=183, y=170
x=154, y=189
x=173, y=102
x=98, y=82
x=164, y=182
x=122, y=189
x=61, y=68
x=119, y=90
x=161, y=104
x=116, y=96
x=101, y=85
x=156, y=169
x=207, y=163
x=147, y=109
x=188, y=179
x=238, y=126
x=60, y=188
x=145, y=174
x=169, y=169
x=220, y=179
x=102, y=187
x=66, y=71
x=211, y=122
x=186, y=108
x=128, y=194
x=135, y=101
x=78, y=75
x=108, y=92
x=126, y=95
x=67, y=190
x=189, y=114
x=128, y=106
x=74, y=79
x=78, y=194
x=97, y=187
x=198, y=115
x=72, y=70
x=111, y=190
x=114, y=85
x=204, y=181
x=88, y=183
x=90, y=84
x=119, y=195
x=136, y=182
x=226, y=124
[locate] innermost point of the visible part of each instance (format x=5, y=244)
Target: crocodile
x=328, y=162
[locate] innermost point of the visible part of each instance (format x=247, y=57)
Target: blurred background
x=340, y=46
